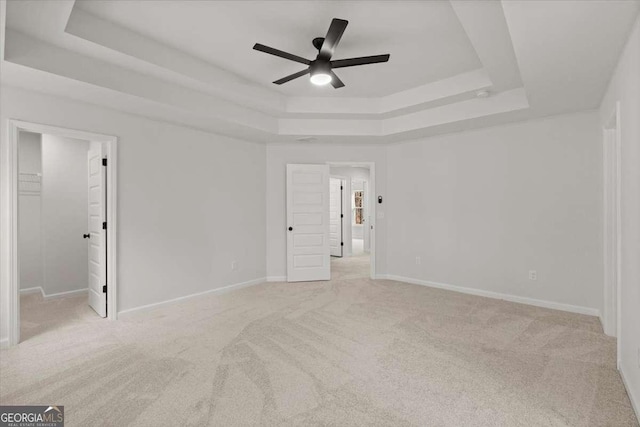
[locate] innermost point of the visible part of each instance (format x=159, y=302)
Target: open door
x=308, y=223
x=97, y=232
x=335, y=216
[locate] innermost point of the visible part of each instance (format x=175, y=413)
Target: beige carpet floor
x=351, y=351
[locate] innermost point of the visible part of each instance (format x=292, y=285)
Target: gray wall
x=482, y=208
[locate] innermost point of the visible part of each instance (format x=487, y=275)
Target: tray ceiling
x=192, y=62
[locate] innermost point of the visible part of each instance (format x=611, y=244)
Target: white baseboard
x=635, y=403
x=66, y=294
x=38, y=289
x=276, y=278
x=222, y=290
x=32, y=290
x=4, y=343
x=496, y=295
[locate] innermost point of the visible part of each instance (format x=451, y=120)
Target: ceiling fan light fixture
x=320, y=79
x=320, y=73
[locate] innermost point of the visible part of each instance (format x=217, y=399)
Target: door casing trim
x=372, y=207
x=10, y=277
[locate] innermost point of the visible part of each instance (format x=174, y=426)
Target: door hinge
x=341, y=215
x=104, y=162
x=341, y=187
x=104, y=225
x=104, y=289
x=341, y=243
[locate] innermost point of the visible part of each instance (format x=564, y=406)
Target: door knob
x=86, y=236
x=290, y=228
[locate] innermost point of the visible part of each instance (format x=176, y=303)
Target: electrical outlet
x=418, y=260
x=533, y=275
x=234, y=265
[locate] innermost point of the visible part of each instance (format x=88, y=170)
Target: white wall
x=29, y=211
x=278, y=155
x=625, y=88
x=64, y=214
x=353, y=173
x=482, y=208
x=189, y=202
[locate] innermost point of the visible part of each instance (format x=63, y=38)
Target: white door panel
x=335, y=216
x=97, y=239
x=308, y=223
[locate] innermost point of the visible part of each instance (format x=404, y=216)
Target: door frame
x=611, y=319
x=343, y=183
x=372, y=207
x=11, y=275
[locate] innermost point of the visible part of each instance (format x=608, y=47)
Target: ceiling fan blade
x=364, y=60
x=292, y=76
x=335, y=81
x=281, y=54
x=331, y=40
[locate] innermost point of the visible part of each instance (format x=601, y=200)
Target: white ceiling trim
x=66, y=63
x=487, y=28
x=512, y=100
x=424, y=96
x=34, y=80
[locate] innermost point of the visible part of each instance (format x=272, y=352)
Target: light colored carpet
x=351, y=351
x=38, y=316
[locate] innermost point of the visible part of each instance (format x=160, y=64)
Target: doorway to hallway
x=351, y=211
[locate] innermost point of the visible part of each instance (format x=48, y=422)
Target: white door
x=308, y=223
x=335, y=216
x=97, y=233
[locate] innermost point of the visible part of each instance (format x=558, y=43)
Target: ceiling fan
x=321, y=69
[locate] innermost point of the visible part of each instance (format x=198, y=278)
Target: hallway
x=350, y=267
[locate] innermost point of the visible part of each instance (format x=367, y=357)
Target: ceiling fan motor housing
x=317, y=42
x=320, y=66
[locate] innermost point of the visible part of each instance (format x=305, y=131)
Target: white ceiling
x=425, y=39
x=193, y=63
